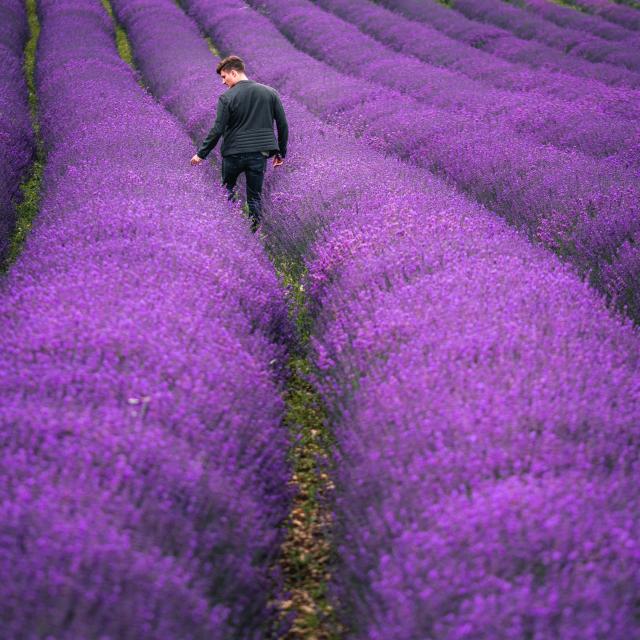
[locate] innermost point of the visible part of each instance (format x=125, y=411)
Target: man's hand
x=196, y=160
x=278, y=160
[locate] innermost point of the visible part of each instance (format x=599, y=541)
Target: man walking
x=244, y=119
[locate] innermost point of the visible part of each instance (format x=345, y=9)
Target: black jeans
x=253, y=164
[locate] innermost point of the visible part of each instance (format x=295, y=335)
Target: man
x=244, y=119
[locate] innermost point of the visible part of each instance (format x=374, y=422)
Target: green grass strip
x=27, y=208
x=571, y=4
x=307, y=550
x=212, y=47
x=122, y=41
x=628, y=3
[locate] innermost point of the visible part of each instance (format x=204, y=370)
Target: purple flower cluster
x=585, y=209
x=141, y=334
x=174, y=61
x=568, y=40
x=16, y=133
x=508, y=46
x=485, y=402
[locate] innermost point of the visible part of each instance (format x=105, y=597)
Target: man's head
x=231, y=70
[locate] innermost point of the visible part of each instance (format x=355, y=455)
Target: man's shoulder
x=263, y=88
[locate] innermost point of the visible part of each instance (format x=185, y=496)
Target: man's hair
x=230, y=63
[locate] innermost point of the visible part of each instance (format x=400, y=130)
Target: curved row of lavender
x=624, y=16
x=430, y=45
x=565, y=16
x=506, y=45
x=143, y=473
x=16, y=133
x=566, y=40
x=584, y=209
x=580, y=125
x=486, y=385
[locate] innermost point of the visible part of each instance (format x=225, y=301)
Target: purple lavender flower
x=582, y=126
x=579, y=20
x=427, y=43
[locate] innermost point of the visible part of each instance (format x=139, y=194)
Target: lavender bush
x=505, y=45
x=470, y=393
x=584, y=209
x=16, y=134
x=142, y=330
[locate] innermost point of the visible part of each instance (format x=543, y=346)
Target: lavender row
x=624, y=16
x=505, y=45
x=568, y=17
x=430, y=45
x=486, y=420
x=531, y=27
x=445, y=274
x=16, y=134
x=582, y=126
x=582, y=208
x=143, y=461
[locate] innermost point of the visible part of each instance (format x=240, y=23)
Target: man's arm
x=222, y=117
x=281, y=125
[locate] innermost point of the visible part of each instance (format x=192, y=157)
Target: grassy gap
x=28, y=206
x=212, y=47
x=571, y=4
x=122, y=42
x=628, y=3
x=307, y=549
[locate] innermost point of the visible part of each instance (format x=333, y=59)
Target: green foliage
x=307, y=551
x=571, y=4
x=27, y=208
x=122, y=42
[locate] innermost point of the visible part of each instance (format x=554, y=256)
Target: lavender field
x=407, y=408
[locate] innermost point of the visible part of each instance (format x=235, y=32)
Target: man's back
x=245, y=117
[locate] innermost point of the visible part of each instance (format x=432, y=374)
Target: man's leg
x=254, y=171
x=231, y=169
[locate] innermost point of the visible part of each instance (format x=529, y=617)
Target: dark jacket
x=244, y=118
